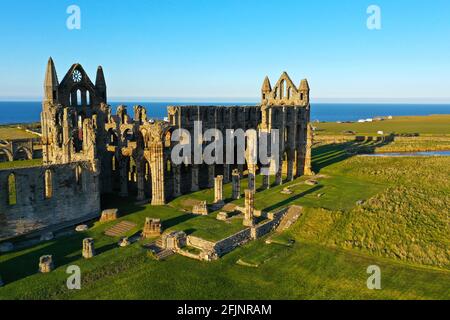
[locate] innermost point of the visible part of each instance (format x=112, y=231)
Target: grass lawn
x=20, y=163
x=431, y=125
x=400, y=224
x=11, y=133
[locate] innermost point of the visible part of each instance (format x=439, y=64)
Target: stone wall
x=200, y=243
x=266, y=227
x=47, y=196
x=228, y=244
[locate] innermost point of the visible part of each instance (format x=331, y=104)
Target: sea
x=12, y=112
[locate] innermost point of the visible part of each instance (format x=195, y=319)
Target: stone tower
x=70, y=115
x=286, y=107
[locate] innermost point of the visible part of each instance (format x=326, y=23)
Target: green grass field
x=12, y=132
x=424, y=125
x=400, y=224
x=20, y=164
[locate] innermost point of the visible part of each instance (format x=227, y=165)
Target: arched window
x=79, y=97
x=79, y=176
x=48, y=184
x=12, y=196
x=282, y=89
x=88, y=97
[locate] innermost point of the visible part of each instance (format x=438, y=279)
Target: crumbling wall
x=73, y=196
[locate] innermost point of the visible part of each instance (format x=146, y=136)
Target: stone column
x=176, y=180
x=278, y=174
x=251, y=177
x=290, y=167
x=194, y=185
x=218, y=190
x=88, y=248
x=211, y=174
x=157, y=167
x=226, y=173
x=236, y=184
x=140, y=180
x=309, y=141
x=265, y=181
x=46, y=264
x=123, y=177
x=241, y=170
x=249, y=220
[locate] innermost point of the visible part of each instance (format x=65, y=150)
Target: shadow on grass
x=326, y=155
x=177, y=220
x=293, y=198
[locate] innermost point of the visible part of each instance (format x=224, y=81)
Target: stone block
x=109, y=215
x=46, y=264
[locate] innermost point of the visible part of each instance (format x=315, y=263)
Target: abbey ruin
x=89, y=151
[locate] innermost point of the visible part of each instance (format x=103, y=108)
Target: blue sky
x=222, y=49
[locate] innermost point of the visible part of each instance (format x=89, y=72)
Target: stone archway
x=23, y=153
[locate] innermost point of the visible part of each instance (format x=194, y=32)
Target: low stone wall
x=267, y=226
x=228, y=244
x=189, y=254
x=221, y=247
x=200, y=243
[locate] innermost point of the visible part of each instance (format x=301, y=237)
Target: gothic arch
x=23, y=153
x=5, y=155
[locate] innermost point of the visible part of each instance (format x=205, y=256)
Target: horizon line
x=118, y=99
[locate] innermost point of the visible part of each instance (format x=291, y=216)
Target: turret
x=51, y=83
x=265, y=90
x=100, y=84
x=303, y=89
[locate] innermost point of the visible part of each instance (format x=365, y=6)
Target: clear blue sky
x=222, y=49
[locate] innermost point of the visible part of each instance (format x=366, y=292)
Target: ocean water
x=22, y=112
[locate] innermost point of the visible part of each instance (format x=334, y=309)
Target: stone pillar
x=290, y=167
x=241, y=170
x=249, y=220
x=251, y=177
x=140, y=181
x=157, y=167
x=46, y=264
x=265, y=181
x=88, y=248
x=194, y=185
x=236, y=184
x=278, y=174
x=218, y=190
x=226, y=173
x=123, y=177
x=309, y=141
x=211, y=174
x=176, y=180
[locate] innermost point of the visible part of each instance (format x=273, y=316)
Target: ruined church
x=88, y=150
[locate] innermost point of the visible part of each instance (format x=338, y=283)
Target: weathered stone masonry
x=130, y=156
x=45, y=196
